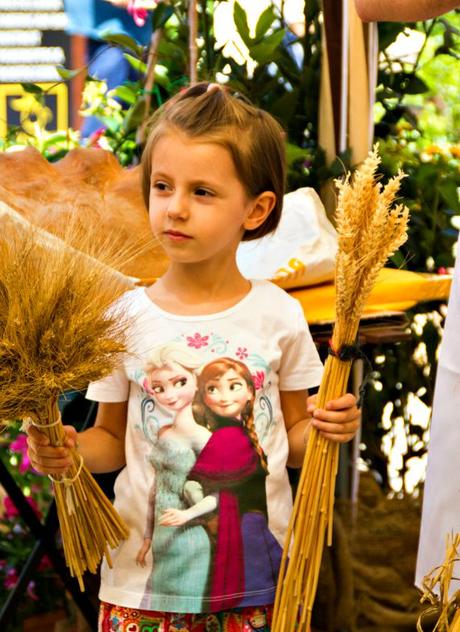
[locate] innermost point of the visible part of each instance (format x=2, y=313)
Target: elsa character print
x=171, y=381
x=231, y=471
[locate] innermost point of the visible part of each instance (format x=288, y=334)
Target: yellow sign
x=18, y=107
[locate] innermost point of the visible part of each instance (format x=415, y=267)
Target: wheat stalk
x=439, y=579
x=369, y=230
x=58, y=331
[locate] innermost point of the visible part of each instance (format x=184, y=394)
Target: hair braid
x=248, y=419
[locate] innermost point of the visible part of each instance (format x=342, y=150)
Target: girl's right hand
x=47, y=459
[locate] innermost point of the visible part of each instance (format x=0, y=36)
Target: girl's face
x=228, y=394
x=173, y=388
x=198, y=207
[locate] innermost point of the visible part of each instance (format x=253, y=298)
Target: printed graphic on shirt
x=207, y=532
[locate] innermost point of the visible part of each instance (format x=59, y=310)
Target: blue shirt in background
x=94, y=18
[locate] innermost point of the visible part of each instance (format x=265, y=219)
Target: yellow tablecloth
x=395, y=290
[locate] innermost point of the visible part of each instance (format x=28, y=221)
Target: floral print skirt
x=119, y=619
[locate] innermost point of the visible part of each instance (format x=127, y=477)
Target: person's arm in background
x=403, y=10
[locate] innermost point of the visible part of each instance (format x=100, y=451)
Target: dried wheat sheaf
x=59, y=331
x=436, y=589
x=370, y=228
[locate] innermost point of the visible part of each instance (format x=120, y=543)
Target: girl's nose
x=177, y=207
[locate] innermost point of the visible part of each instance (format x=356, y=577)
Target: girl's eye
x=160, y=186
x=158, y=389
x=203, y=192
x=211, y=389
x=236, y=386
x=180, y=382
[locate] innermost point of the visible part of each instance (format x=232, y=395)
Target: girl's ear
x=261, y=207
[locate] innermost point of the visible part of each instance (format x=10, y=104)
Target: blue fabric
x=94, y=18
x=107, y=63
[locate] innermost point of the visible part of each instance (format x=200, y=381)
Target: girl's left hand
x=340, y=420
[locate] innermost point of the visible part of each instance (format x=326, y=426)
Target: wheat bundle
x=369, y=230
x=439, y=580
x=58, y=333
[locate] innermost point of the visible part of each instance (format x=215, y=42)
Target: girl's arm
x=339, y=422
x=102, y=447
x=200, y=505
x=402, y=10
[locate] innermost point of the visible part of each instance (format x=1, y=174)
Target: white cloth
x=266, y=331
x=441, y=502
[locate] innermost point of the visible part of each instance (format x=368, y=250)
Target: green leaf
x=415, y=85
x=398, y=260
x=161, y=15
x=263, y=52
x=32, y=88
x=295, y=153
x=124, y=41
x=264, y=22
x=126, y=94
x=449, y=193
x=134, y=116
x=137, y=64
x=66, y=73
x=241, y=23
x=284, y=107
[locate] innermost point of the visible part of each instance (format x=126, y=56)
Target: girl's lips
x=176, y=235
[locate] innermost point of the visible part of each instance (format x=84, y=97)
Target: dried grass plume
x=59, y=331
x=370, y=228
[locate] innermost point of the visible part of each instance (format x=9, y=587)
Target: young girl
x=213, y=175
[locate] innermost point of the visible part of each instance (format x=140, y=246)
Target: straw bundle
x=440, y=579
x=369, y=230
x=57, y=333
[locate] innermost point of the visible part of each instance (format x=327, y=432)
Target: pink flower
x=11, y=578
x=45, y=564
x=197, y=341
x=258, y=378
x=93, y=140
x=19, y=445
x=139, y=15
x=11, y=510
x=242, y=353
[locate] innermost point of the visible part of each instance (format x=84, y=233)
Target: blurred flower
x=433, y=150
x=11, y=578
x=31, y=590
x=138, y=14
x=19, y=445
x=11, y=510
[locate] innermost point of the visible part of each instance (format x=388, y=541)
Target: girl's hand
x=47, y=459
x=174, y=517
x=142, y=553
x=340, y=420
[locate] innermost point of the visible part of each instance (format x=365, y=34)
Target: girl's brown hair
x=206, y=417
x=253, y=138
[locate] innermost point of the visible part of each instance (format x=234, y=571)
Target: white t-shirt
x=227, y=553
